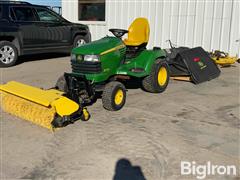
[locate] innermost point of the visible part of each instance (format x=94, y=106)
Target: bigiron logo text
x=201, y=171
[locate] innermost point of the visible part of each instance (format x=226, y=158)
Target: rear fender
x=153, y=57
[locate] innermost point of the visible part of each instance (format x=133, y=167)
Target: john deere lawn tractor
x=104, y=66
x=99, y=69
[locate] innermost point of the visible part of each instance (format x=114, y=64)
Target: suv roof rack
x=14, y=2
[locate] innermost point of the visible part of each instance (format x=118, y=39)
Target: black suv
x=33, y=29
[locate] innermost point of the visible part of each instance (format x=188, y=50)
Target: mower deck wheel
x=158, y=79
x=85, y=115
x=114, y=96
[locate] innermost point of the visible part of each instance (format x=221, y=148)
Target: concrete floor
x=150, y=136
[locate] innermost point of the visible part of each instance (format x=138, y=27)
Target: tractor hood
x=99, y=46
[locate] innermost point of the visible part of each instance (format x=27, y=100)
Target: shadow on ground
x=37, y=57
x=133, y=83
x=125, y=171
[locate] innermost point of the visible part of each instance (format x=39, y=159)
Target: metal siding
x=175, y=17
x=226, y=24
x=234, y=43
x=208, y=24
x=190, y=24
x=166, y=23
x=183, y=16
x=213, y=24
x=217, y=25
x=199, y=23
x=158, y=23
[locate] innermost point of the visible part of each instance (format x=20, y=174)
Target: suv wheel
x=79, y=41
x=8, y=54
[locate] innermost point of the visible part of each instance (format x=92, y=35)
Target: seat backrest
x=138, y=32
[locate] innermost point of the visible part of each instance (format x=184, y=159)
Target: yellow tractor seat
x=138, y=32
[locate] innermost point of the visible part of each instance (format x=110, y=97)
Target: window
x=0, y=12
x=23, y=14
x=12, y=15
x=91, y=10
x=47, y=16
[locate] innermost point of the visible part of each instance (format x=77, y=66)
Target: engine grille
x=122, y=51
x=86, y=67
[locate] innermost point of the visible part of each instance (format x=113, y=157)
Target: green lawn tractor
x=101, y=67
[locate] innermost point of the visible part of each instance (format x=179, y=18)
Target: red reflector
x=196, y=59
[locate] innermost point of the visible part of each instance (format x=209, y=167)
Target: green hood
x=99, y=46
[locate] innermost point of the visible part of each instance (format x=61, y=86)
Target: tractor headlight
x=91, y=58
x=76, y=57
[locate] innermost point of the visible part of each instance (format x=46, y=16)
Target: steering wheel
x=118, y=32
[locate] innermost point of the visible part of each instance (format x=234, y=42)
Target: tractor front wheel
x=158, y=79
x=61, y=84
x=114, y=96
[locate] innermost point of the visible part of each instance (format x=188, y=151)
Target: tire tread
x=107, y=99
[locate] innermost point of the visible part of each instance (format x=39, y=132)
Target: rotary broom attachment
x=46, y=108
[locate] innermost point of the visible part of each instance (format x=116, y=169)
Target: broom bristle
x=30, y=111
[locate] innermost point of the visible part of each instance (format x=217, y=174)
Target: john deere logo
x=200, y=63
x=106, y=70
x=79, y=58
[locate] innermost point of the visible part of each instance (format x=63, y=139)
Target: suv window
x=23, y=14
x=12, y=16
x=46, y=16
x=1, y=12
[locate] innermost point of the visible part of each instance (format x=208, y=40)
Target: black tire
x=77, y=39
x=151, y=83
x=109, y=94
x=61, y=84
x=4, y=62
x=58, y=122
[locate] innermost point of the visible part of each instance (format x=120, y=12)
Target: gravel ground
x=147, y=139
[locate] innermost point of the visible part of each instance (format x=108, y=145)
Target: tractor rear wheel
x=158, y=79
x=114, y=96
